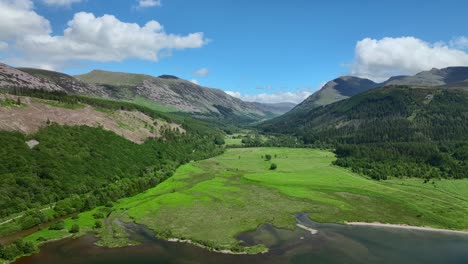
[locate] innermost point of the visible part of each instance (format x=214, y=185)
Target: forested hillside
x=79, y=167
x=390, y=131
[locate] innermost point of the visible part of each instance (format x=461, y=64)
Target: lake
x=331, y=244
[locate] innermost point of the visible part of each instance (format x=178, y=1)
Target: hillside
x=165, y=92
x=426, y=126
x=347, y=86
x=434, y=77
x=79, y=152
x=336, y=90
x=179, y=94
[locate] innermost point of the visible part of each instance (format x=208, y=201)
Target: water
x=332, y=244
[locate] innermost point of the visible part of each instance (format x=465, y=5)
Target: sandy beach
x=421, y=228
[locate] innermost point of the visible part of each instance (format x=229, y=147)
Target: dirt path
x=21, y=215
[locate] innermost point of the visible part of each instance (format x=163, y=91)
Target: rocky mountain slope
x=164, y=91
x=347, y=86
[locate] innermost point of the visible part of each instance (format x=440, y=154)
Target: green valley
x=210, y=202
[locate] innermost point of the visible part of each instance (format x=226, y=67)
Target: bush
x=98, y=215
x=273, y=166
x=268, y=157
x=97, y=224
x=59, y=225
x=75, y=228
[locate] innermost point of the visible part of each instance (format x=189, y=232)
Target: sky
x=266, y=51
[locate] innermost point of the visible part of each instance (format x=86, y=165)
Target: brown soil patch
x=34, y=114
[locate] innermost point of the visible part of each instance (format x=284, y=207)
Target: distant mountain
x=336, y=90
x=434, y=77
x=393, y=131
x=275, y=108
x=398, y=113
x=174, y=92
x=12, y=77
x=347, y=86
x=165, y=91
x=66, y=82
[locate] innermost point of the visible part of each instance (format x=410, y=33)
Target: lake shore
x=408, y=227
x=223, y=251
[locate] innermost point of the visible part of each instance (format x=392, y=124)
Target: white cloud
x=459, y=42
x=380, y=59
x=149, y=3
x=61, y=2
x=281, y=97
x=86, y=37
x=195, y=82
x=17, y=20
x=201, y=72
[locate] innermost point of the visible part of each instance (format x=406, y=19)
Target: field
x=212, y=201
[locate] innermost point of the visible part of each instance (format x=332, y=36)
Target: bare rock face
x=11, y=77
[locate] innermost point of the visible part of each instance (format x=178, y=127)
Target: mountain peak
x=169, y=77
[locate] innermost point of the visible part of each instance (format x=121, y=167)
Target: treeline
x=18, y=248
x=392, y=131
x=82, y=160
x=411, y=159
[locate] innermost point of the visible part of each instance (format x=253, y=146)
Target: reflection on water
x=332, y=244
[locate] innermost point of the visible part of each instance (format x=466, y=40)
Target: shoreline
x=223, y=251
x=407, y=227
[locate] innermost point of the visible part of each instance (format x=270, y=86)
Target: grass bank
x=210, y=202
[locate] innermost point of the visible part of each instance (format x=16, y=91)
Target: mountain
x=418, y=109
x=434, y=77
x=336, y=90
x=390, y=131
x=347, y=86
x=67, y=83
x=275, y=108
x=14, y=78
x=177, y=93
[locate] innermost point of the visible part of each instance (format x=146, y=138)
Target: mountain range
x=164, y=92
x=346, y=86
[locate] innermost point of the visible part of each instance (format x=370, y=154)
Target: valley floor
x=211, y=202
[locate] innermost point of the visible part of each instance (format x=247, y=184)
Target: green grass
x=153, y=105
x=212, y=201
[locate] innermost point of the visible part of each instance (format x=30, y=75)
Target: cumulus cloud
x=17, y=20
x=380, y=59
x=281, y=97
x=86, y=37
x=460, y=42
x=149, y=3
x=61, y=2
x=201, y=72
x=195, y=82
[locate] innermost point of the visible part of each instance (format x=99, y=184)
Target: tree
x=97, y=224
x=75, y=228
x=268, y=157
x=59, y=225
x=273, y=166
x=18, y=101
x=219, y=140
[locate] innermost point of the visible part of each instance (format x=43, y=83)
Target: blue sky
x=258, y=50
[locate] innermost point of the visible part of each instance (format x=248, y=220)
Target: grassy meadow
x=212, y=201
